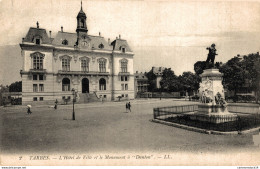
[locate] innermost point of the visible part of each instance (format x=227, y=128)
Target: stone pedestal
x=212, y=107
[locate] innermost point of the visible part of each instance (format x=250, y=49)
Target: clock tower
x=82, y=30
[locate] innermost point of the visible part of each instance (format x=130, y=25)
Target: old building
x=141, y=83
x=94, y=67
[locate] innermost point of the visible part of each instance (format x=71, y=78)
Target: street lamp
x=73, y=101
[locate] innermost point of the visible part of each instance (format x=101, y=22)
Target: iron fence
x=164, y=112
x=185, y=115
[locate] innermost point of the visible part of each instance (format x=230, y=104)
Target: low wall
x=243, y=108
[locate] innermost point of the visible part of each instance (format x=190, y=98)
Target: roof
x=81, y=14
x=158, y=70
x=140, y=76
x=37, y=32
x=94, y=41
x=119, y=43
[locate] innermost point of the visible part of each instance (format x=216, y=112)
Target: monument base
x=214, y=117
x=207, y=108
x=213, y=114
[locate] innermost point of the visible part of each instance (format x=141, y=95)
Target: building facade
x=141, y=83
x=93, y=67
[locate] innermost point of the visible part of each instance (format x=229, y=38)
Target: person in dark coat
x=56, y=104
x=29, y=109
x=129, y=106
x=126, y=107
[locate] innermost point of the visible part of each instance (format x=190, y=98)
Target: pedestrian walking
x=126, y=107
x=56, y=104
x=129, y=106
x=29, y=109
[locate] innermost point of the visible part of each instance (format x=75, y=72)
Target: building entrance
x=85, y=85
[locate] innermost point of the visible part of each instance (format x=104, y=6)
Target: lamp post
x=73, y=112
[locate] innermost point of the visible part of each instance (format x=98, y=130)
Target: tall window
x=124, y=65
x=85, y=65
x=41, y=87
x=65, y=84
x=102, y=65
x=82, y=23
x=124, y=78
x=66, y=64
x=35, y=77
x=35, y=88
x=37, y=60
x=102, y=84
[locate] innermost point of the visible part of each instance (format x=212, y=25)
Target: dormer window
x=122, y=48
x=65, y=42
x=101, y=46
x=37, y=41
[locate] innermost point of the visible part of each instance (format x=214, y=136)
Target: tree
x=199, y=67
x=169, y=81
x=234, y=74
x=190, y=82
x=257, y=81
x=251, y=65
x=151, y=80
x=16, y=87
x=3, y=89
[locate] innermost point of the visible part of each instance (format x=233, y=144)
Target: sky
x=164, y=33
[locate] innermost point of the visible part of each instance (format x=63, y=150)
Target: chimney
x=108, y=41
x=50, y=33
x=37, y=24
x=119, y=36
x=61, y=28
x=99, y=34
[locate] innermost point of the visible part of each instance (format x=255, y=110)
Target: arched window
x=65, y=42
x=102, y=84
x=82, y=23
x=124, y=65
x=37, y=60
x=66, y=84
x=101, y=46
x=102, y=65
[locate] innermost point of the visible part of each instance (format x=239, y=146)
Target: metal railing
x=184, y=115
x=164, y=112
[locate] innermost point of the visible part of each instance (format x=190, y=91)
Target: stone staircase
x=88, y=97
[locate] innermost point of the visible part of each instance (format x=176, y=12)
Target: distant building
x=14, y=98
x=94, y=67
x=158, y=72
x=141, y=83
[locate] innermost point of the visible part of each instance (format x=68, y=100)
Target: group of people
x=128, y=107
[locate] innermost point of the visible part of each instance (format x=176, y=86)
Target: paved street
x=106, y=128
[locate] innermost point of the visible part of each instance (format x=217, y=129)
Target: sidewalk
x=92, y=104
